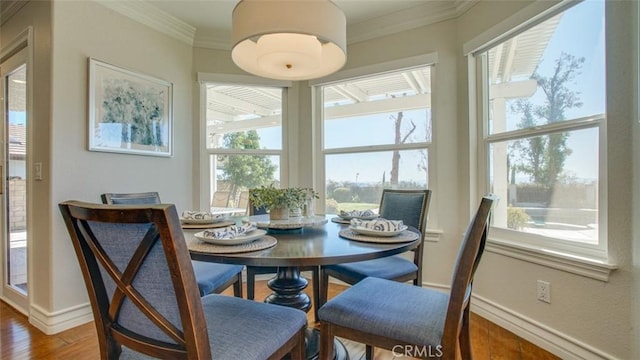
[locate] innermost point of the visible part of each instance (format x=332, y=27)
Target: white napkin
x=357, y=213
x=229, y=232
x=380, y=224
x=200, y=215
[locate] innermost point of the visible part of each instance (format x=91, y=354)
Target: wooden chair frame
x=456, y=334
x=154, y=198
x=140, y=198
x=190, y=343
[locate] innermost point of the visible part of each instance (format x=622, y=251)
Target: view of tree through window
x=377, y=133
x=546, y=105
x=244, y=141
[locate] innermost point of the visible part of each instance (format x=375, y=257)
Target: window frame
x=205, y=166
x=583, y=259
x=430, y=59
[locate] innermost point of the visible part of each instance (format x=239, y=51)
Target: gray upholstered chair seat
x=210, y=276
x=233, y=337
x=390, y=309
x=385, y=268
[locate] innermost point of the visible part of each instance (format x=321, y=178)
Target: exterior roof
x=17, y=140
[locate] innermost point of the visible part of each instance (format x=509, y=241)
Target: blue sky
x=574, y=38
x=17, y=117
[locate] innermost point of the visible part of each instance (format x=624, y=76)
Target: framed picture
x=129, y=112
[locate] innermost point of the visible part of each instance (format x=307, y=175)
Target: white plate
x=371, y=232
x=371, y=217
x=240, y=239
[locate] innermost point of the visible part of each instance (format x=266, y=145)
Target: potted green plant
x=280, y=202
x=305, y=200
x=276, y=201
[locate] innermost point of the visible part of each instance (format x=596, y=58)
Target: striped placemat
x=209, y=226
x=264, y=242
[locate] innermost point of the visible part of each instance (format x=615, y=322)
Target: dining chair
x=151, y=197
x=243, y=201
x=410, y=320
x=136, y=267
x=410, y=206
x=211, y=277
x=220, y=199
x=252, y=271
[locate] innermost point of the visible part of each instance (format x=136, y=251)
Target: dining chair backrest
x=136, y=265
x=220, y=199
x=410, y=206
x=130, y=198
x=469, y=255
x=243, y=200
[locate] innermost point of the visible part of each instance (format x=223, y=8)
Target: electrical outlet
x=38, y=171
x=544, y=291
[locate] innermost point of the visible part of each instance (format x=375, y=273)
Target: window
x=244, y=132
x=543, y=100
x=376, y=134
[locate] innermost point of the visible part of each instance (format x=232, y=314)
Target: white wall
x=635, y=297
x=83, y=29
x=37, y=15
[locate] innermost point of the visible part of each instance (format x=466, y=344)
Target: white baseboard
x=552, y=340
x=55, y=322
x=541, y=335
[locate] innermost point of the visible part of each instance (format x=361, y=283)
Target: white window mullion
x=554, y=213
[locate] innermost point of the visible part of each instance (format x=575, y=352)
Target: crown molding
x=411, y=18
x=149, y=15
x=8, y=8
x=212, y=42
x=417, y=16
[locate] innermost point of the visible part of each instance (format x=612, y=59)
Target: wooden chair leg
x=299, y=352
x=465, y=336
x=369, y=352
x=316, y=291
x=251, y=283
x=237, y=286
x=323, y=288
x=326, y=341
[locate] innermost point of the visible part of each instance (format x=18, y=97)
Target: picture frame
x=129, y=112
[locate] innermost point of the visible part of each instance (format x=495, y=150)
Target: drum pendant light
x=289, y=39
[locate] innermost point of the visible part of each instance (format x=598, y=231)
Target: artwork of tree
x=140, y=109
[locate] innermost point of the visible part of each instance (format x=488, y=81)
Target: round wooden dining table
x=316, y=245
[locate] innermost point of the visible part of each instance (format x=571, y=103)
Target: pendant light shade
x=289, y=39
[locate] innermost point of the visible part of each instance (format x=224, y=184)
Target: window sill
x=433, y=235
x=589, y=267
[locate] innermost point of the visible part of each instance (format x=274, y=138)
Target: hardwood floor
x=19, y=340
